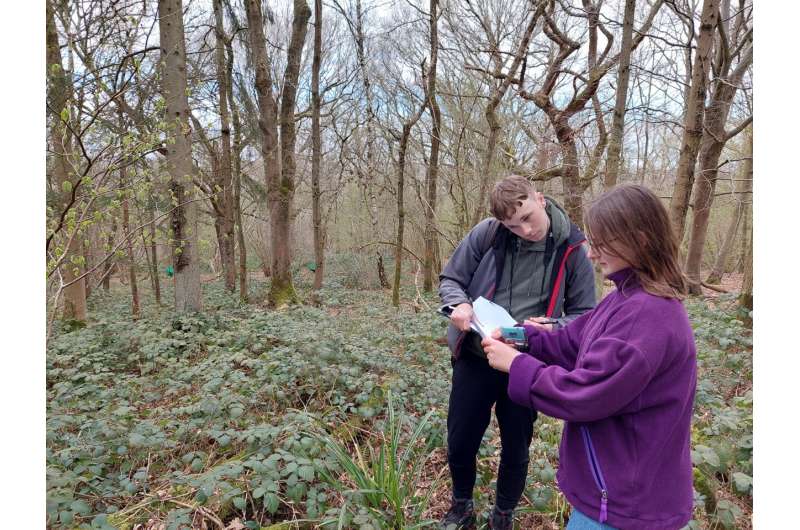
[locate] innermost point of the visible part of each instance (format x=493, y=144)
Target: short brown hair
x=508, y=194
x=633, y=216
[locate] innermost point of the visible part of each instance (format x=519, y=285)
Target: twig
x=419, y=294
x=391, y=243
x=205, y=513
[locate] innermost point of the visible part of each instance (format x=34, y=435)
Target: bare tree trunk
x=227, y=224
x=401, y=213
x=279, y=172
x=237, y=177
x=126, y=226
x=491, y=110
x=154, y=253
x=714, y=139
x=743, y=187
x=110, y=261
x=432, y=175
x=316, y=155
x=575, y=185
x=746, y=296
x=267, y=107
x=618, y=121
x=282, y=289
x=152, y=263
x=88, y=263
x=367, y=179
x=693, y=120
x=188, y=293
x=59, y=93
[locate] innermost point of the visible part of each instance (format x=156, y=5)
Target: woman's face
x=607, y=259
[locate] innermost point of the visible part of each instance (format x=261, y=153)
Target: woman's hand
x=499, y=354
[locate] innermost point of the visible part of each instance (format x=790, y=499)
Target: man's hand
x=462, y=316
x=538, y=323
x=499, y=354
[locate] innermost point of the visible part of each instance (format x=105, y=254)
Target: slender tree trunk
x=237, y=177
x=487, y=174
x=618, y=121
x=152, y=270
x=188, y=293
x=227, y=224
x=743, y=188
x=282, y=289
x=89, y=262
x=491, y=111
x=693, y=120
x=714, y=139
x=746, y=296
x=59, y=93
x=367, y=178
x=279, y=172
x=267, y=107
x=154, y=254
x=110, y=261
x=316, y=154
x=401, y=213
x=126, y=224
x=401, y=216
x=432, y=175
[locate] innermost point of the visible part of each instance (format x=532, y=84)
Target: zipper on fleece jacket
x=596, y=473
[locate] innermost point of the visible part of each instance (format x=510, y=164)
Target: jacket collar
x=624, y=278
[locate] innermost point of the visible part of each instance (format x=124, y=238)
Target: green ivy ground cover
x=242, y=417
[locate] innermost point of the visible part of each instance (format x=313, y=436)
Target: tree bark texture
x=316, y=150
x=623, y=78
x=742, y=195
x=432, y=174
x=693, y=119
x=713, y=141
x=188, y=292
x=226, y=221
x=59, y=94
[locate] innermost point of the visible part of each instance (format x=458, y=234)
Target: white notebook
x=488, y=316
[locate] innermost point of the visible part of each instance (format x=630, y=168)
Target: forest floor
x=244, y=417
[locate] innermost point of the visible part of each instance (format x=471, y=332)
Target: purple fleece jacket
x=623, y=377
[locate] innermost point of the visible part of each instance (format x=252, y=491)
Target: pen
x=546, y=320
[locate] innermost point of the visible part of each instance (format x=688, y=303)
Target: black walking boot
x=501, y=519
x=460, y=516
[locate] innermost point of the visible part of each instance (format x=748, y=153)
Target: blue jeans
x=579, y=521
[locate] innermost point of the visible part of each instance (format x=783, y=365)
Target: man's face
x=530, y=220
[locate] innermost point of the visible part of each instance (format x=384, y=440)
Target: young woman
x=622, y=376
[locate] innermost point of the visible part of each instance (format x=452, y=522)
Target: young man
x=530, y=260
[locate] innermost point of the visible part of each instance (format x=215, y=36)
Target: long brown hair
x=630, y=222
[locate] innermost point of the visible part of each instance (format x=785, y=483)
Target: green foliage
x=209, y=408
x=386, y=476
x=222, y=411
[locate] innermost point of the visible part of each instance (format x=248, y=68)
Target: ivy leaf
x=306, y=473
x=728, y=513
x=271, y=502
x=240, y=502
x=80, y=507
x=742, y=482
x=702, y=454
